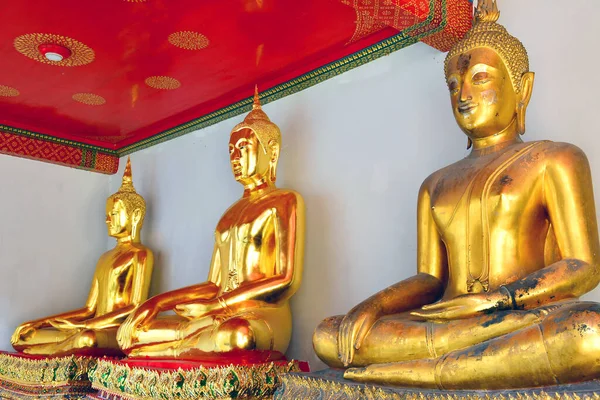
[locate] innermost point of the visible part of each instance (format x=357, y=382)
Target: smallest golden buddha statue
x=121, y=282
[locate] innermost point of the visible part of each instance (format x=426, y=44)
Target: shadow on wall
x=318, y=252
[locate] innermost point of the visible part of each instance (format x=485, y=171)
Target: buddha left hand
x=198, y=308
x=465, y=306
x=66, y=325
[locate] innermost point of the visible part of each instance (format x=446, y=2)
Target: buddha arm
x=77, y=315
x=182, y=300
x=569, y=202
x=424, y=288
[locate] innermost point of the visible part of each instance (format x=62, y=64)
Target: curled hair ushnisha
x=486, y=32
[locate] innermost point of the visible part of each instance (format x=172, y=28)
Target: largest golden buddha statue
x=120, y=283
x=507, y=242
x=256, y=266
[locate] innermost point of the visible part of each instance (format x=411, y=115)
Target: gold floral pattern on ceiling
x=29, y=44
x=7, y=91
x=188, y=40
x=162, y=82
x=90, y=99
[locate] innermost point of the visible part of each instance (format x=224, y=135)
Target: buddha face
x=249, y=160
x=484, y=101
x=118, y=221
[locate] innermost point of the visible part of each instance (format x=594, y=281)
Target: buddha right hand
x=137, y=320
x=354, y=328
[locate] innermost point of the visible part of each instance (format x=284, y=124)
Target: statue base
x=26, y=377
x=247, y=375
x=329, y=384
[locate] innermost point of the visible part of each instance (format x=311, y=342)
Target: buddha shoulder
x=133, y=250
x=561, y=154
x=547, y=155
x=286, y=197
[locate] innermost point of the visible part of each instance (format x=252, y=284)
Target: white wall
x=52, y=231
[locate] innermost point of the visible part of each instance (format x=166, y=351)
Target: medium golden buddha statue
x=507, y=242
x=256, y=266
x=121, y=282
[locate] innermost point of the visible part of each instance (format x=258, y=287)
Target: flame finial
x=487, y=11
x=127, y=183
x=256, y=102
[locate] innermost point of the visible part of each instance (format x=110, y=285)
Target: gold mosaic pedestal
x=329, y=384
x=28, y=377
x=138, y=379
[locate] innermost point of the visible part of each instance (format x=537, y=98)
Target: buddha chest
x=245, y=238
x=490, y=215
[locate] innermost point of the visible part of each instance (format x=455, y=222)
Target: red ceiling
x=267, y=42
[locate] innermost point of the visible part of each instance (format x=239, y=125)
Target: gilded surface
x=188, y=40
x=229, y=382
x=162, y=82
x=256, y=265
x=120, y=283
x=507, y=242
x=28, y=45
x=7, y=91
x=89, y=99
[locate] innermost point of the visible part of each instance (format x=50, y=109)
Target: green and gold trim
x=66, y=142
x=53, y=377
x=322, y=385
x=117, y=380
x=25, y=144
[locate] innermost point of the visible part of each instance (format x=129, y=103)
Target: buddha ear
x=526, y=87
x=524, y=97
x=274, y=147
x=136, y=217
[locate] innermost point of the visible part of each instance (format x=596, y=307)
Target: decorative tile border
x=118, y=380
x=57, y=151
x=24, y=377
x=330, y=385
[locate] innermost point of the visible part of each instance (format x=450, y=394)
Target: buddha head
x=254, y=148
x=488, y=77
x=125, y=210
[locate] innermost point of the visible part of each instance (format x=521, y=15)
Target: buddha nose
x=466, y=95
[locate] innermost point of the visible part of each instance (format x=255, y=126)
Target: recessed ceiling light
x=54, y=52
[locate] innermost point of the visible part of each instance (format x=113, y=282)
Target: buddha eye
x=481, y=78
x=453, y=86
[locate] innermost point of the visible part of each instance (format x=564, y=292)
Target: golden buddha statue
x=121, y=282
x=507, y=242
x=256, y=266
